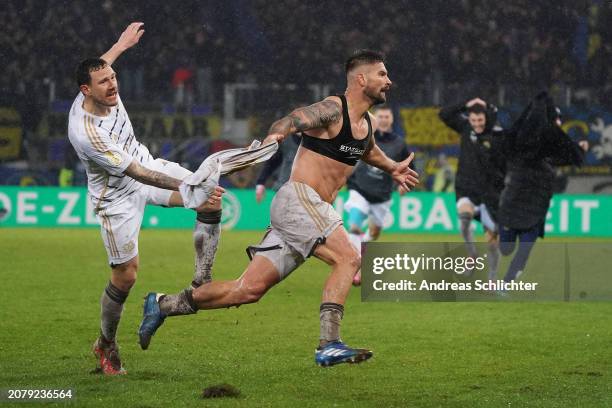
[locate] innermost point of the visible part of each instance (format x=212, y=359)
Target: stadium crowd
x=192, y=47
x=515, y=42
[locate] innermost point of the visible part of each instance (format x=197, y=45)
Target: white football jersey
x=106, y=146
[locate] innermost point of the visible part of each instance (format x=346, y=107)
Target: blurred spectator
x=471, y=41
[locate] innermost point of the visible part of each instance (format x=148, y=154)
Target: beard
x=104, y=102
x=377, y=96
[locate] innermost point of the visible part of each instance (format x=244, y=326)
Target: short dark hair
x=477, y=108
x=361, y=57
x=85, y=68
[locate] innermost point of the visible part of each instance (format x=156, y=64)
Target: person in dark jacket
x=533, y=146
x=370, y=188
x=479, y=178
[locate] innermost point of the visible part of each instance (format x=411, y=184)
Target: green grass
x=426, y=354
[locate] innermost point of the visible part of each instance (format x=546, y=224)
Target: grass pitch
x=426, y=354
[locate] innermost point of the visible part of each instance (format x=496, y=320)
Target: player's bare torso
x=325, y=175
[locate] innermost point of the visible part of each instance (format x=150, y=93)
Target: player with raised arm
x=123, y=178
x=337, y=132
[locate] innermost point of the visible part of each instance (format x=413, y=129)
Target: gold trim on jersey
x=309, y=206
x=103, y=193
x=92, y=134
x=112, y=244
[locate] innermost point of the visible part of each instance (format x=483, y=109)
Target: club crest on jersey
x=113, y=158
x=352, y=150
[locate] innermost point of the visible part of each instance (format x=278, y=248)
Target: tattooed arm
x=151, y=177
x=318, y=115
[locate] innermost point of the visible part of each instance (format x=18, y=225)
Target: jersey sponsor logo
x=113, y=158
x=352, y=150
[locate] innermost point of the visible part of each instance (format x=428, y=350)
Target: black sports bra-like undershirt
x=344, y=147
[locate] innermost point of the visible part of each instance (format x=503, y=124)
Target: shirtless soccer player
x=122, y=178
x=337, y=132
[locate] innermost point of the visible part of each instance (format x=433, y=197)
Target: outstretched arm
x=151, y=177
x=400, y=171
x=128, y=39
x=318, y=115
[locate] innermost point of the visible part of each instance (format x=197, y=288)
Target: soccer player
x=533, y=146
x=123, y=177
x=479, y=177
x=337, y=132
x=370, y=188
x=283, y=161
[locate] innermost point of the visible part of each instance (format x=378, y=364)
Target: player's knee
x=466, y=215
x=125, y=274
x=350, y=258
x=355, y=229
x=506, y=248
x=492, y=238
x=374, y=233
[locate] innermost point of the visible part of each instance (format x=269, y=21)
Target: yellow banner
x=423, y=128
x=10, y=133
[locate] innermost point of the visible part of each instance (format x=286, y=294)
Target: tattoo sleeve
x=152, y=177
x=318, y=115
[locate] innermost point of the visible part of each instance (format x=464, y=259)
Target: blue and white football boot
x=151, y=320
x=337, y=352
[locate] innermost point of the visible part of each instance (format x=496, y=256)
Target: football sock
x=205, y=240
x=179, y=304
x=466, y=232
x=111, y=306
x=493, y=255
x=330, y=316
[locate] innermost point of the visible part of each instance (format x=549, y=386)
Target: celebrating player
x=337, y=132
x=122, y=178
x=370, y=188
x=479, y=177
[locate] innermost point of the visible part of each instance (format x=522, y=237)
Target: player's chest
x=360, y=129
x=118, y=129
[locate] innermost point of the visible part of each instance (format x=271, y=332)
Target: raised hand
x=475, y=101
x=214, y=201
x=404, y=176
x=131, y=35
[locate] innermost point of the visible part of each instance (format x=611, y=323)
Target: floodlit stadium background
x=209, y=75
